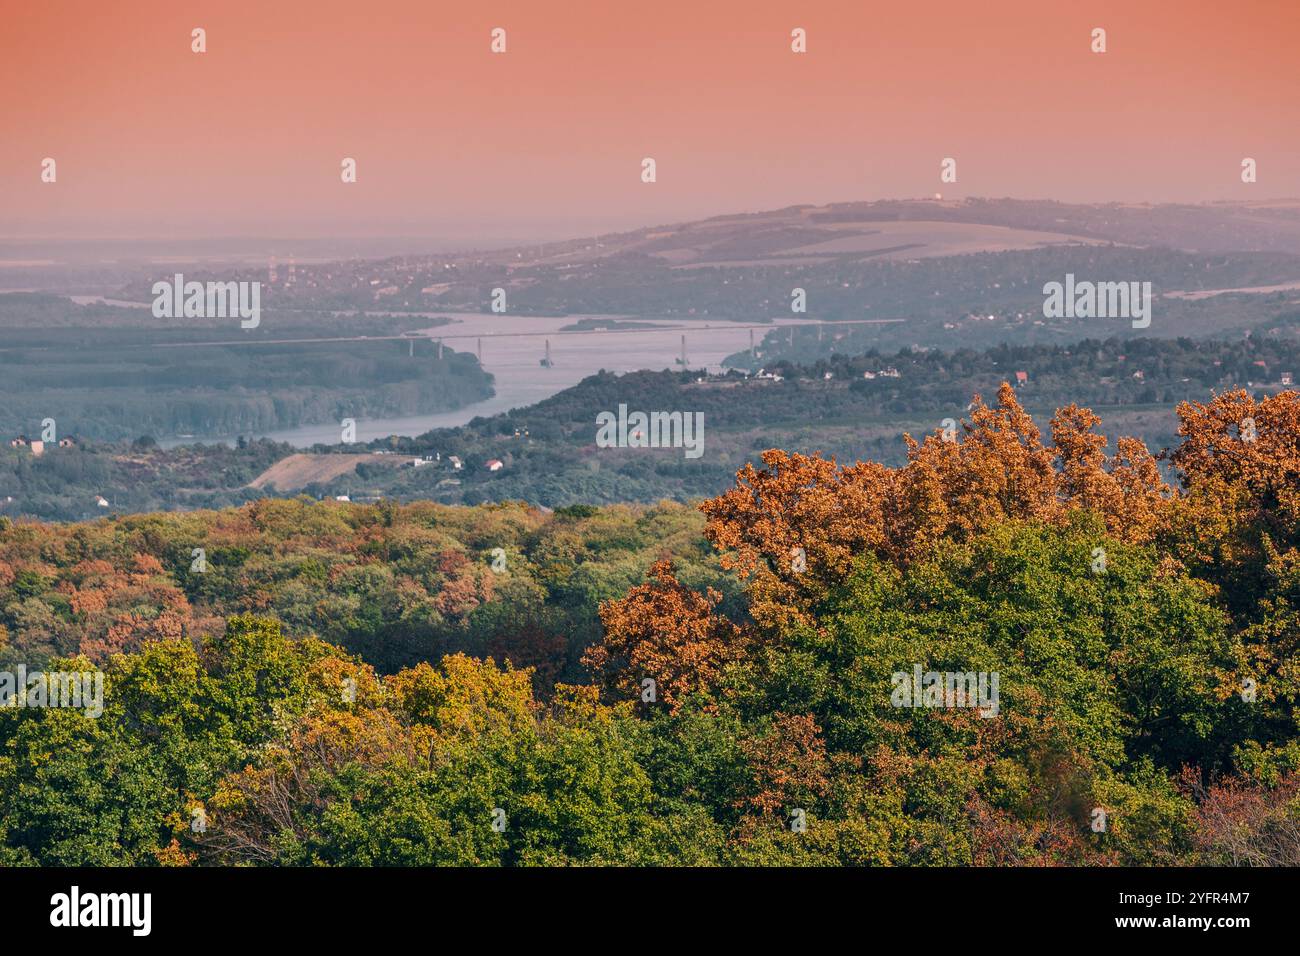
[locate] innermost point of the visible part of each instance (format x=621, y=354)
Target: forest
x=293, y=682
x=107, y=373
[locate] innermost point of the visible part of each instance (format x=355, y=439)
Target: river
x=513, y=347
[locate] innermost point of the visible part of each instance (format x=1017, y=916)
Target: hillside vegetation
x=369, y=700
x=550, y=458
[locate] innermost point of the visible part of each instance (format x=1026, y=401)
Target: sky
x=547, y=139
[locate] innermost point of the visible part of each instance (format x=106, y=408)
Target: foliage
x=1141, y=626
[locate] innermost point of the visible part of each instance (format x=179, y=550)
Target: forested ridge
x=825, y=407
x=420, y=684
x=111, y=373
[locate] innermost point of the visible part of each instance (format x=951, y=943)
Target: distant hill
x=925, y=227
x=740, y=265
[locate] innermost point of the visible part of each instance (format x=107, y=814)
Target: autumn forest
x=301, y=682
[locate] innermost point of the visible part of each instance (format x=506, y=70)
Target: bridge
x=433, y=334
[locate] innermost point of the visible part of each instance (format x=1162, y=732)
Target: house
x=456, y=463
x=342, y=498
x=890, y=372
x=494, y=464
x=101, y=501
x=828, y=375
x=37, y=446
x=1287, y=378
x=67, y=443
x=868, y=374
x=1022, y=378
x=1139, y=376
x=19, y=442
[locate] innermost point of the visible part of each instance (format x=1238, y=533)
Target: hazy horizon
x=453, y=238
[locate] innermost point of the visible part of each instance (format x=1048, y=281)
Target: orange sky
x=547, y=139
